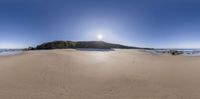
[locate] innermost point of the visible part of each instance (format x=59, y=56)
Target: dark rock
x=175, y=52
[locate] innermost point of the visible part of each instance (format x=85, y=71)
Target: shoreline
x=10, y=53
x=153, y=52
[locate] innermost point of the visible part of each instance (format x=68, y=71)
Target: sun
x=99, y=37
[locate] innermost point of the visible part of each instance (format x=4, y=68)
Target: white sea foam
x=7, y=52
x=186, y=52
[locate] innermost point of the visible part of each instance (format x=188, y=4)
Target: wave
x=186, y=52
x=7, y=52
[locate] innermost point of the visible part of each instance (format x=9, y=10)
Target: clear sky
x=145, y=23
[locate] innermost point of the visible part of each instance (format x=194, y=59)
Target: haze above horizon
x=143, y=23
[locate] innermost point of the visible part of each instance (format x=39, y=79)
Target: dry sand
x=82, y=74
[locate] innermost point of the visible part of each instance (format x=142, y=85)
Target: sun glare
x=99, y=37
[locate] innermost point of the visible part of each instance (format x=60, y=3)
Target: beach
x=98, y=74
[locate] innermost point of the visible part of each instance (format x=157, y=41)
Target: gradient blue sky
x=145, y=23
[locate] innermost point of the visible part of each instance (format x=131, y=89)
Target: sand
x=83, y=74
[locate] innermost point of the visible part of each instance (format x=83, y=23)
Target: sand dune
x=86, y=74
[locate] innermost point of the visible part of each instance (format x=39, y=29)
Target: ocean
x=186, y=52
x=7, y=52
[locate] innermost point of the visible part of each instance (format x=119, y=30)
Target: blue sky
x=145, y=23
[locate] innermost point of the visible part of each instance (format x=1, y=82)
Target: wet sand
x=97, y=74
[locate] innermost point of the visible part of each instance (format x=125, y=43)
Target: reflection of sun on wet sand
x=86, y=74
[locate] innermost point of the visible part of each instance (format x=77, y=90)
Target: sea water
x=7, y=52
x=186, y=52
